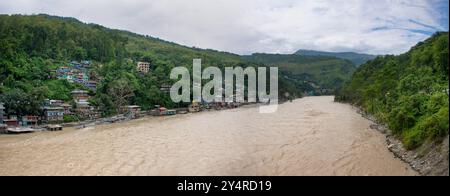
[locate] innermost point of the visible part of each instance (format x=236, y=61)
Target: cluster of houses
x=77, y=72
x=53, y=111
x=12, y=121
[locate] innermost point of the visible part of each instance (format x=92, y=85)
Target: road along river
x=310, y=136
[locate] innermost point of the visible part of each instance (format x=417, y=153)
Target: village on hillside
x=79, y=112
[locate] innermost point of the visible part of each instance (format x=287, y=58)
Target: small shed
x=30, y=120
x=11, y=122
x=133, y=111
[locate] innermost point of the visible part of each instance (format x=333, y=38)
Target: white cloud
x=283, y=26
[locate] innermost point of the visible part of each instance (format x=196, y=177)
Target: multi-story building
x=53, y=114
x=81, y=78
x=53, y=103
x=143, y=67
x=30, y=120
x=80, y=95
x=82, y=106
x=91, y=85
x=67, y=108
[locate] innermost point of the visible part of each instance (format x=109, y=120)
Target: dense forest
x=32, y=47
x=408, y=92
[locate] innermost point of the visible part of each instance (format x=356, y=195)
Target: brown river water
x=310, y=136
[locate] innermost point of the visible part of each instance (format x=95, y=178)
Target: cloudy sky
x=272, y=26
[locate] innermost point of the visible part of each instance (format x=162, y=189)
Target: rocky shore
x=431, y=159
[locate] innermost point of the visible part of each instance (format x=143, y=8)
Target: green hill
x=33, y=47
x=356, y=58
x=408, y=92
x=324, y=74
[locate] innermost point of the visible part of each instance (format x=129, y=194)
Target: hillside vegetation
x=408, y=92
x=356, y=58
x=326, y=73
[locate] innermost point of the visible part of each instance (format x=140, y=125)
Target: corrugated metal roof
x=53, y=108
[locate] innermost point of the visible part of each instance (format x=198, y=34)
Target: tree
x=121, y=92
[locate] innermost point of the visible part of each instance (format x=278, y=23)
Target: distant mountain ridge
x=355, y=58
x=320, y=73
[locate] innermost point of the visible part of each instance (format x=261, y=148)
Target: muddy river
x=310, y=136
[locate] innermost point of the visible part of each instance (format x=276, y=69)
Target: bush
x=401, y=119
x=70, y=118
x=430, y=128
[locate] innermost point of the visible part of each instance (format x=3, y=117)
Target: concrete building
x=83, y=108
x=2, y=113
x=30, y=120
x=67, y=108
x=53, y=103
x=80, y=95
x=91, y=85
x=143, y=67
x=53, y=114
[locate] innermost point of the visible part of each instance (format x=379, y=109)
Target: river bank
x=431, y=159
x=147, y=114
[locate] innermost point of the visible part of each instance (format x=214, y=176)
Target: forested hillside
x=33, y=47
x=409, y=92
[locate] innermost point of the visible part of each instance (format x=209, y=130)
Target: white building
x=143, y=67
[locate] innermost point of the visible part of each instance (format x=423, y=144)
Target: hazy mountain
x=356, y=58
x=320, y=71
